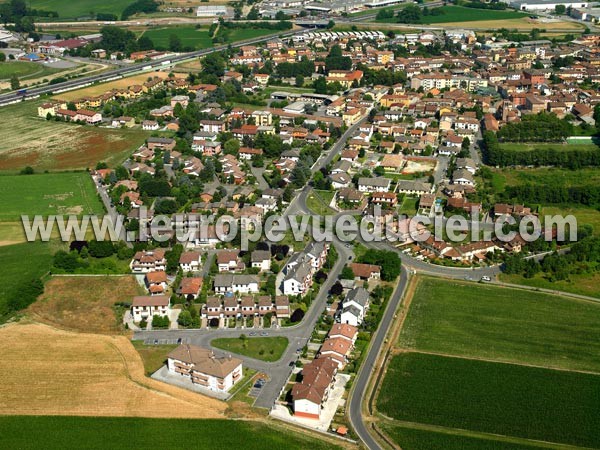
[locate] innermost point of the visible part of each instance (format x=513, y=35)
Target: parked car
x=485, y=278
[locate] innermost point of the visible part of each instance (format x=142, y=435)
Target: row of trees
x=583, y=258
x=495, y=155
x=542, y=127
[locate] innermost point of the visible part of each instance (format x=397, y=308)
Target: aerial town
x=370, y=224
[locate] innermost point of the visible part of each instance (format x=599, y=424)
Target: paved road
x=35, y=92
x=111, y=210
x=368, y=366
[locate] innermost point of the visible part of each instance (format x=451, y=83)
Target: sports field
x=48, y=193
x=189, y=36
x=262, y=348
x=28, y=140
x=504, y=399
x=485, y=321
x=91, y=433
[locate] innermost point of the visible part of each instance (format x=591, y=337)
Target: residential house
x=145, y=307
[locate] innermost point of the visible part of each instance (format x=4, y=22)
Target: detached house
x=204, y=368
x=355, y=307
x=261, y=259
x=190, y=261
x=149, y=261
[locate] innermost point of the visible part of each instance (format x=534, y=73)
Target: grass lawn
x=45, y=194
x=189, y=35
x=584, y=215
x=506, y=399
x=22, y=262
x=241, y=34
x=79, y=8
x=24, y=70
x=409, y=206
x=264, y=348
x=153, y=356
x=87, y=433
x=28, y=140
x=545, y=176
x=577, y=284
x=318, y=202
x=425, y=439
x=478, y=320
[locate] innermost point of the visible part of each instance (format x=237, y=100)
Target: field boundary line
x=404, y=350
x=484, y=435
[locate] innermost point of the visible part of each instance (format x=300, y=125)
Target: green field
x=544, y=176
x=318, y=202
x=462, y=14
x=426, y=439
x=24, y=70
x=505, y=399
x=189, y=35
x=478, y=320
x=45, y=194
x=241, y=34
x=526, y=147
x=263, y=348
x=581, y=284
x=22, y=262
x=79, y=8
x=91, y=433
x=409, y=206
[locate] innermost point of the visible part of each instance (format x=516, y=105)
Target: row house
x=227, y=283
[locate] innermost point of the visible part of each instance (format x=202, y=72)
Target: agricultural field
x=20, y=269
x=429, y=437
x=68, y=373
x=263, y=348
x=462, y=14
x=190, y=36
x=490, y=397
x=46, y=194
x=28, y=140
x=90, y=433
x=80, y=8
x=485, y=321
x=85, y=304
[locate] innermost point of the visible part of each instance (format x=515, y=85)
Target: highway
x=12, y=97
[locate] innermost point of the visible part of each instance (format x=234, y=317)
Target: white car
x=486, y=278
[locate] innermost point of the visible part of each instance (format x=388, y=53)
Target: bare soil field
x=53, y=372
x=413, y=166
x=84, y=303
x=28, y=140
x=518, y=24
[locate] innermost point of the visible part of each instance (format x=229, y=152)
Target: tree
x=145, y=43
x=174, y=43
x=2, y=57
x=71, y=106
x=14, y=83
x=347, y=273
x=299, y=80
x=560, y=9
x=231, y=146
x=410, y=14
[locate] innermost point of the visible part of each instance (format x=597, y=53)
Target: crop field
x=153, y=356
x=478, y=320
x=22, y=263
x=49, y=193
x=189, y=35
x=79, y=8
x=80, y=303
x=262, y=348
x=438, y=438
x=462, y=14
x=55, y=372
x=96, y=433
x=28, y=140
x=489, y=397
